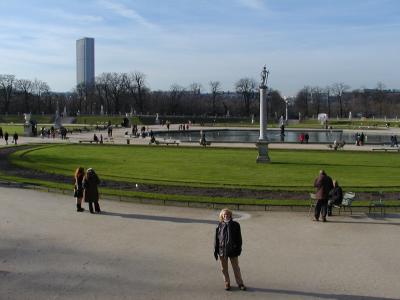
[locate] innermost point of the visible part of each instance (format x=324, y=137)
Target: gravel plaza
x=133, y=251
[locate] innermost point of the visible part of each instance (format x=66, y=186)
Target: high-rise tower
x=85, y=61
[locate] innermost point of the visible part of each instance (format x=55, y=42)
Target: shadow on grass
x=335, y=164
x=159, y=218
x=315, y=295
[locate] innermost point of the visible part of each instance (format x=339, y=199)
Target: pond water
x=273, y=135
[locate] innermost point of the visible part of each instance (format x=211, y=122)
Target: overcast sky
x=302, y=42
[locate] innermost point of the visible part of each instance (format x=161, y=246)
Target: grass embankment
x=11, y=129
x=19, y=128
x=211, y=167
x=21, y=119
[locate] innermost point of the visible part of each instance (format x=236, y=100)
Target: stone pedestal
x=28, y=130
x=263, y=156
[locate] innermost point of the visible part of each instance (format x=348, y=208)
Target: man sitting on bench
x=335, y=196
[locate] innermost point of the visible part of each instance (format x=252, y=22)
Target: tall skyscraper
x=85, y=61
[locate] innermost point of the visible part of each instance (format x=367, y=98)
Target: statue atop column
x=264, y=77
x=262, y=143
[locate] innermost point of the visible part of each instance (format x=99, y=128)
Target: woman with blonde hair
x=228, y=244
x=78, y=189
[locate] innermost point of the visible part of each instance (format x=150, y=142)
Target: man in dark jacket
x=324, y=184
x=228, y=244
x=335, y=196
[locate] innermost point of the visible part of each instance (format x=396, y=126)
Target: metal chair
x=313, y=202
x=347, y=201
x=377, y=203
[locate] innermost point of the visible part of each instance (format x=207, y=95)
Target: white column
x=286, y=112
x=263, y=109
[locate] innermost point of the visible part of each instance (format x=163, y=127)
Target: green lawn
x=12, y=128
x=20, y=118
x=19, y=128
x=289, y=170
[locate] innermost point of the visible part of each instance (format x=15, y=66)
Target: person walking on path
x=78, y=189
x=90, y=190
x=6, y=137
x=228, y=244
x=15, y=138
x=324, y=184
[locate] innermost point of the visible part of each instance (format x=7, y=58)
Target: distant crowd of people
x=5, y=136
x=304, y=137
x=360, y=138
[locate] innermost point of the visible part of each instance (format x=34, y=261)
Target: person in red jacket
x=301, y=138
x=324, y=185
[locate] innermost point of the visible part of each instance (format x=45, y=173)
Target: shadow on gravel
x=364, y=222
x=159, y=218
x=316, y=295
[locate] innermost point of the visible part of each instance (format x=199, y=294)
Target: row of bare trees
x=28, y=94
x=338, y=100
x=117, y=93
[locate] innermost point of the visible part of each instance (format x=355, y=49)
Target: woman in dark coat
x=91, y=193
x=228, y=244
x=78, y=189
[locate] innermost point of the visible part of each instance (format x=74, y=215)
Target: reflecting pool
x=273, y=135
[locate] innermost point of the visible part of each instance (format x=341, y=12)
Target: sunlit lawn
x=289, y=170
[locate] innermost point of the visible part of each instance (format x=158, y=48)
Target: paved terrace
x=119, y=138
x=132, y=251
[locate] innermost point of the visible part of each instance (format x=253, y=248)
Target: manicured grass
x=19, y=128
x=20, y=118
x=216, y=167
x=97, y=119
x=12, y=128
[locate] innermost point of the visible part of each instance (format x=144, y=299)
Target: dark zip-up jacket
x=228, y=239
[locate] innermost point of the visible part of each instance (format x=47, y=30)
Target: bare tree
x=103, y=91
x=338, y=89
x=175, y=95
x=26, y=87
x=327, y=91
x=302, y=101
x=112, y=86
x=81, y=93
x=246, y=87
x=6, y=89
x=380, y=96
x=40, y=88
x=136, y=86
x=195, y=88
x=316, y=96
x=215, y=87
